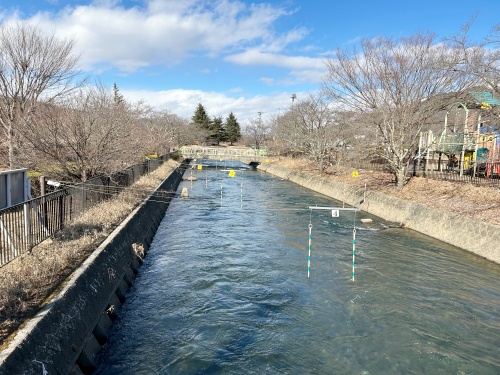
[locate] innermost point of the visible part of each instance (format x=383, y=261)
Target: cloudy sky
x=240, y=56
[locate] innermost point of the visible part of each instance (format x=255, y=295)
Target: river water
x=224, y=290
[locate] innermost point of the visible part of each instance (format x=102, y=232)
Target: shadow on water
x=224, y=290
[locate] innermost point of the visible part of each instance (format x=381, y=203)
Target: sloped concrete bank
x=65, y=336
x=477, y=237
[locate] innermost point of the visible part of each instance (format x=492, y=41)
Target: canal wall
x=477, y=237
x=65, y=336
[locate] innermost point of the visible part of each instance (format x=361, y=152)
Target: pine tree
x=117, y=96
x=232, y=129
x=200, y=118
x=216, y=130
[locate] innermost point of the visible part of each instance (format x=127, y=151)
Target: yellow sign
x=267, y=160
x=220, y=159
x=200, y=166
x=355, y=174
x=231, y=173
x=485, y=105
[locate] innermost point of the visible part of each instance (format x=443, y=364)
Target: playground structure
x=473, y=150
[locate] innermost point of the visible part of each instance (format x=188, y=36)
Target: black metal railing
x=476, y=173
x=27, y=224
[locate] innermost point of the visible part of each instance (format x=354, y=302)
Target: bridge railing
x=189, y=151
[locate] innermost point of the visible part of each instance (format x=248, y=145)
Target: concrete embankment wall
x=65, y=336
x=477, y=237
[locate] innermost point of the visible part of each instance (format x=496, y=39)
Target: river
x=224, y=290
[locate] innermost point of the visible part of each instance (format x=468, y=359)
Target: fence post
x=430, y=141
x=61, y=211
x=70, y=207
x=43, y=202
x=27, y=225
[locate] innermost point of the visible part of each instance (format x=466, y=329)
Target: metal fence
x=25, y=225
x=479, y=174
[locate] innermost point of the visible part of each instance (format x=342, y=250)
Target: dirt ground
x=479, y=203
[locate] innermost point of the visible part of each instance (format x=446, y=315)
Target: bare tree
x=258, y=131
x=33, y=66
x=320, y=129
x=189, y=133
x=286, y=133
x=397, y=85
x=479, y=59
x=162, y=130
x=85, y=135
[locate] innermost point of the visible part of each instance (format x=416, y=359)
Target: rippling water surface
x=224, y=290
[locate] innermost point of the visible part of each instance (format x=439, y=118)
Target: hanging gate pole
x=353, y=251
x=335, y=213
x=309, y=248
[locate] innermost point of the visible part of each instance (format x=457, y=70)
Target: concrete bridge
x=246, y=155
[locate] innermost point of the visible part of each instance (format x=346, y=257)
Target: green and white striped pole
x=335, y=213
x=309, y=249
x=353, y=251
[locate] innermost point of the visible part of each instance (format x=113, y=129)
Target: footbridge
x=246, y=155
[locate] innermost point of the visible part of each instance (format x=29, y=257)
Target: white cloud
x=256, y=57
x=303, y=69
x=163, y=32
x=184, y=103
x=115, y=39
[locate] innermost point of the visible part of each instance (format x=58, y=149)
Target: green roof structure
x=484, y=97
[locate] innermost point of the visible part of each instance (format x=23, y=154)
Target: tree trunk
x=400, y=178
x=10, y=140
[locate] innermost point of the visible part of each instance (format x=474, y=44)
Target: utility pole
x=258, y=132
x=294, y=122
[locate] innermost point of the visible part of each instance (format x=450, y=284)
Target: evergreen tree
x=200, y=118
x=232, y=129
x=217, y=130
x=117, y=96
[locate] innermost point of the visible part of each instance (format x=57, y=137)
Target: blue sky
x=240, y=56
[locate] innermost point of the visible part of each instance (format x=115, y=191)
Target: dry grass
x=27, y=281
x=294, y=163
x=479, y=203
